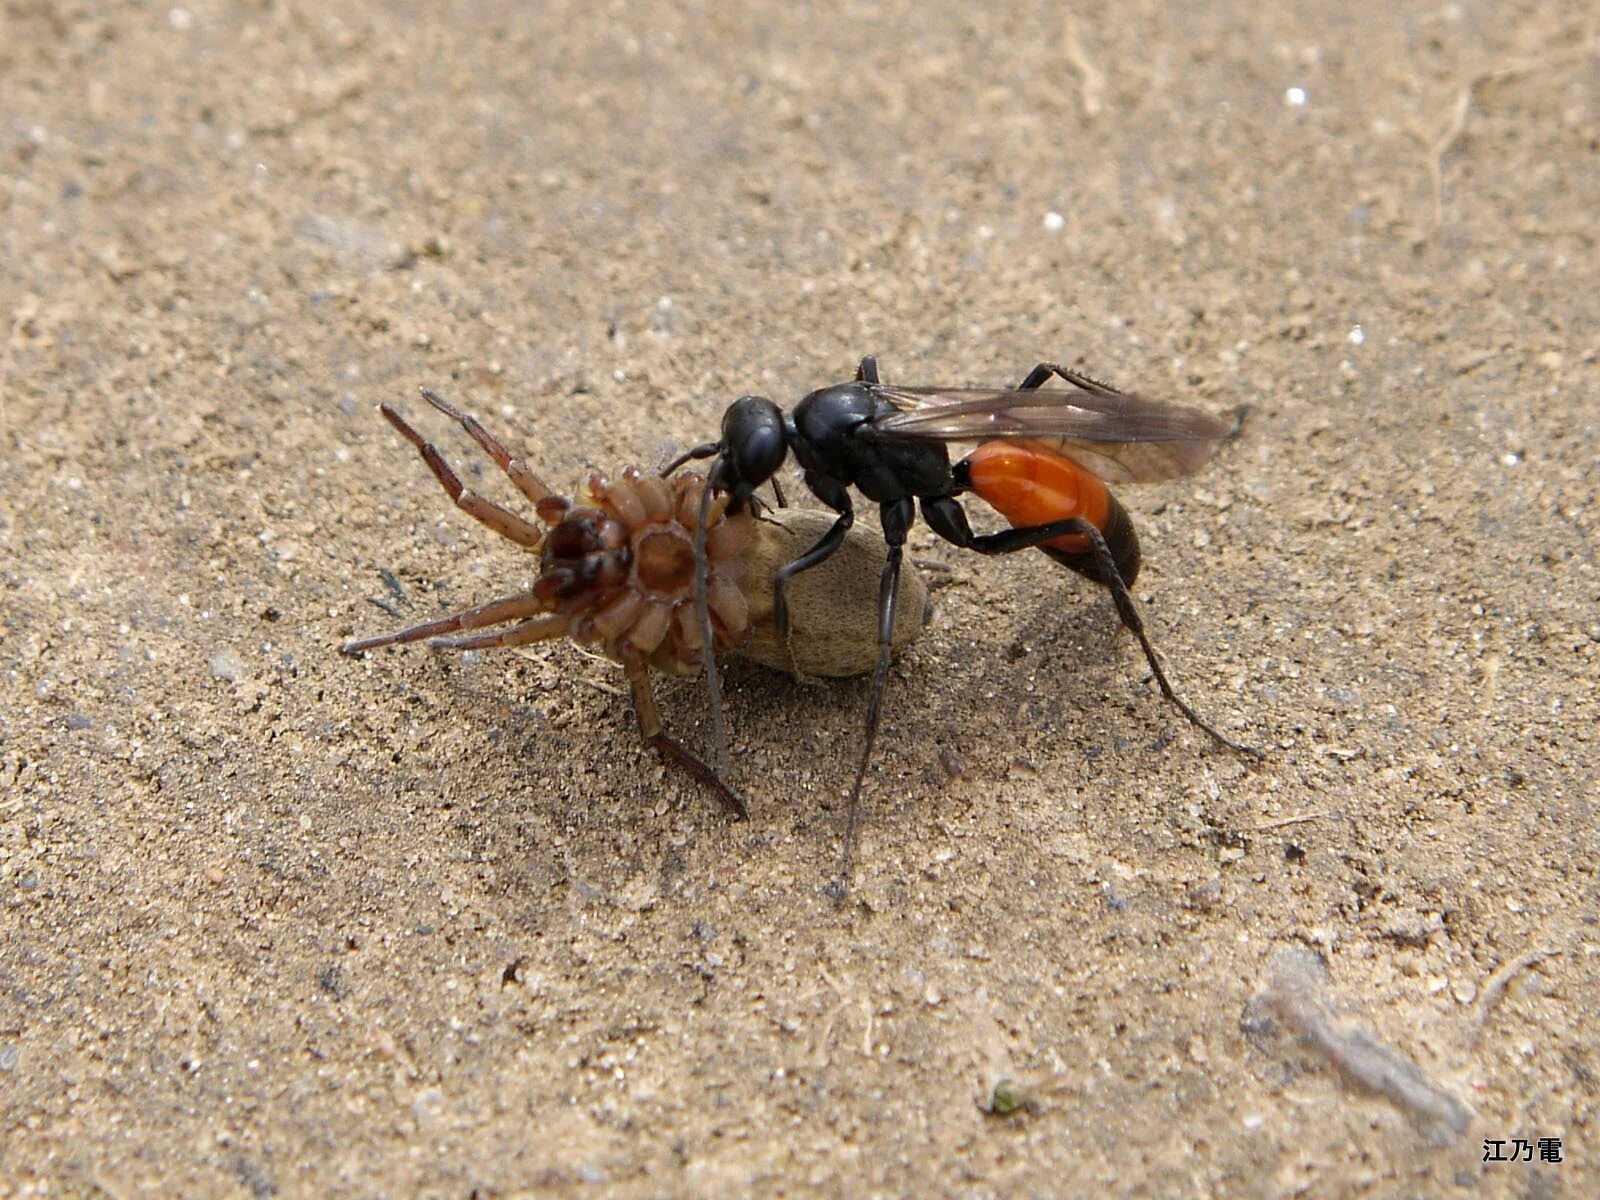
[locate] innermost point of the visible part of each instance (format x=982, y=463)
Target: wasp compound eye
x=754, y=443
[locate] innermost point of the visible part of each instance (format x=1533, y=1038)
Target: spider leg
x=496, y=612
x=527, y=480
x=539, y=629
x=644, y=707
x=502, y=520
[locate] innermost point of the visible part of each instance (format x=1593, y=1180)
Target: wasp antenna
x=702, y=608
x=704, y=450
x=1239, y=414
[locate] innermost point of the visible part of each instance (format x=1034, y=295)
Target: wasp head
x=754, y=445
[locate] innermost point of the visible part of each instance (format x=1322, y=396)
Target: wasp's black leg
x=1036, y=377
x=946, y=517
x=867, y=372
x=896, y=516
x=704, y=450
x=1088, y=383
x=1129, y=613
x=836, y=497
x=1041, y=373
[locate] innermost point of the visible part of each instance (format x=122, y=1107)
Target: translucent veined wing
x=1121, y=437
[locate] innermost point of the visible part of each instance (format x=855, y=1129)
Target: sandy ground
x=280, y=922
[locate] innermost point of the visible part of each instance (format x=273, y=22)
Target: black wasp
x=1043, y=458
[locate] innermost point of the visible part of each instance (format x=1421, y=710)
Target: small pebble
x=1006, y=1098
x=226, y=664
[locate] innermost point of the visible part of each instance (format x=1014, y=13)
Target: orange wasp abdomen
x=1030, y=484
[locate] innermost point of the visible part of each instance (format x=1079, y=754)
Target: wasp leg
x=949, y=520
x=896, y=516
x=1088, y=383
x=520, y=473
x=1041, y=373
x=837, y=498
x=644, y=707
x=502, y=520
x=867, y=372
x=496, y=612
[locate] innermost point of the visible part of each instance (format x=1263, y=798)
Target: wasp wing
x=1121, y=437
